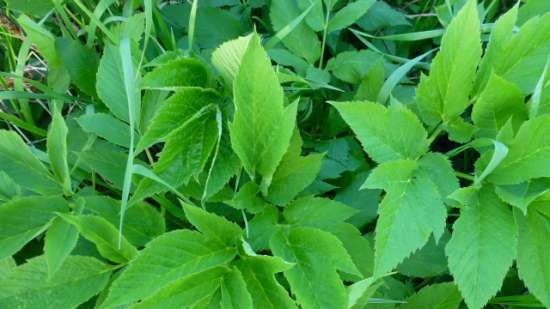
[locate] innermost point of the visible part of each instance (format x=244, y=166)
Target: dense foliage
x=284, y=154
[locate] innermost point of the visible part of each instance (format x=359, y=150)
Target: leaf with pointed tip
x=213, y=226
x=444, y=95
x=107, y=127
x=57, y=150
x=104, y=235
x=234, y=292
x=482, y=246
x=24, y=218
x=178, y=73
x=227, y=58
x=318, y=256
x=317, y=212
x=521, y=195
x=164, y=260
x=60, y=240
x=262, y=127
x=28, y=285
x=533, y=251
x=349, y=14
x=81, y=62
x=435, y=296
x=381, y=138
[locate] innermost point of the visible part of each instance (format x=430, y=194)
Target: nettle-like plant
x=186, y=182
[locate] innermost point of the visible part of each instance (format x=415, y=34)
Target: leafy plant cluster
x=285, y=154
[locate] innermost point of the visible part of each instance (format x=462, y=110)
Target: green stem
x=23, y=125
x=324, y=42
x=464, y=176
x=435, y=133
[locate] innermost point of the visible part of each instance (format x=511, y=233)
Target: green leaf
x=34, y=8
x=104, y=235
x=228, y=56
x=413, y=208
x=318, y=255
x=213, y=226
x=57, y=150
x=234, y=292
x=436, y=296
x=259, y=274
x=176, y=112
x=225, y=166
x=381, y=138
x=24, y=218
x=164, y=260
x=262, y=126
x=187, y=292
x=8, y=188
x=262, y=227
x=444, y=95
x=248, y=198
x=302, y=41
x=353, y=66
x=60, y=240
x=360, y=293
x=533, y=248
x=521, y=195
x=184, y=72
x=7, y=265
x=349, y=14
x=29, y=287
x=81, y=62
x=317, y=212
x=294, y=173
x=110, y=84
x=429, y=261
x=497, y=103
x=527, y=155
x=482, y=247
x=18, y=162
x=107, y=127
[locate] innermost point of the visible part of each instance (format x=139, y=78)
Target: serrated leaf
x=259, y=275
x=380, y=137
x=521, y=195
x=227, y=58
x=24, y=218
x=444, y=95
x=164, y=260
x=81, y=63
x=213, y=226
x=527, y=155
x=533, y=250
x=412, y=210
x=262, y=227
x=317, y=212
x=107, y=127
x=482, y=247
x=497, y=103
x=234, y=292
x=302, y=41
x=435, y=296
x=104, y=235
x=18, y=162
x=178, y=73
x=353, y=66
x=57, y=150
x=349, y=14
x=429, y=261
x=262, y=127
x=28, y=285
x=318, y=255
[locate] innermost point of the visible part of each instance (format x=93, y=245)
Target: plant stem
x=464, y=176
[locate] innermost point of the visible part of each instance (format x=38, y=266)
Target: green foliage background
x=285, y=154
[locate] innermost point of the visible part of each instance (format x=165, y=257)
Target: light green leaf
x=435, y=296
x=107, y=127
x=262, y=227
x=234, y=291
x=522, y=194
x=57, y=150
x=213, y=226
x=226, y=165
x=444, y=95
x=187, y=292
x=533, y=250
x=302, y=41
x=78, y=279
x=228, y=56
x=24, y=218
x=381, y=138
x=170, y=257
x=262, y=126
x=60, y=240
x=104, y=235
x=174, y=74
x=360, y=293
x=110, y=84
x=176, y=112
x=528, y=154
x=34, y=8
x=499, y=153
x=413, y=208
x=482, y=247
x=349, y=14
x=317, y=212
x=497, y=103
x=318, y=255
x=294, y=173
x=248, y=198
x=259, y=274
x=7, y=265
x=18, y=162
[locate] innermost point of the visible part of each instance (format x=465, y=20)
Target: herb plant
x=276, y=154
